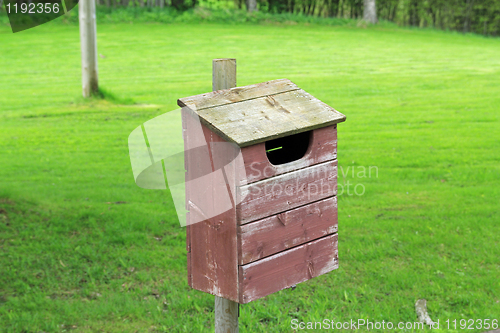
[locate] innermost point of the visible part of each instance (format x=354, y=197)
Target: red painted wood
x=282, y=270
x=278, y=194
x=322, y=148
x=275, y=252
x=212, y=244
x=188, y=254
x=280, y=232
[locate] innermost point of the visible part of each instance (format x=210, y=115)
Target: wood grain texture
x=322, y=148
x=288, y=268
x=226, y=319
x=280, y=232
x=223, y=74
x=257, y=113
x=212, y=244
x=188, y=255
x=238, y=94
x=284, y=192
x=226, y=310
x=265, y=118
x=284, y=230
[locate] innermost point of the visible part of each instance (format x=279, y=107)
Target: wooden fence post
x=88, y=42
x=226, y=311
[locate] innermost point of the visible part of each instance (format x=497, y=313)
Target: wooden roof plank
x=265, y=118
x=238, y=94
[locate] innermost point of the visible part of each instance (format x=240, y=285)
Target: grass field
x=421, y=106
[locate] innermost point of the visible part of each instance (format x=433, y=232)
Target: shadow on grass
x=105, y=95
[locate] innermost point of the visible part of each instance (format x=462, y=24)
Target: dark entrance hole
x=288, y=149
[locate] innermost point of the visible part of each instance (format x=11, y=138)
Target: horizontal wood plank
x=238, y=94
x=322, y=148
x=278, y=194
x=288, y=268
x=280, y=232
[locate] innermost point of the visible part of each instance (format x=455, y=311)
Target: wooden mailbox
x=282, y=227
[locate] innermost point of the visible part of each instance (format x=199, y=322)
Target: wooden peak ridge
x=260, y=112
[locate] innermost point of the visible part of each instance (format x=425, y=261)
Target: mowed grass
x=82, y=248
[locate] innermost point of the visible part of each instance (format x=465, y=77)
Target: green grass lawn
x=421, y=106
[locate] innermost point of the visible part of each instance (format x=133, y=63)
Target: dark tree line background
x=479, y=16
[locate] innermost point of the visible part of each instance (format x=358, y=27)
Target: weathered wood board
x=288, y=268
x=212, y=244
x=238, y=94
x=280, y=232
x=245, y=118
x=223, y=74
x=278, y=194
x=322, y=148
x=265, y=118
x=276, y=225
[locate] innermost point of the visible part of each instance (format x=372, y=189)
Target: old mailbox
x=280, y=227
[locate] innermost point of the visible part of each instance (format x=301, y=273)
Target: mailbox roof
x=261, y=112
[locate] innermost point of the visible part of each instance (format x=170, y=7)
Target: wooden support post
x=223, y=74
x=226, y=311
x=226, y=315
x=88, y=42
